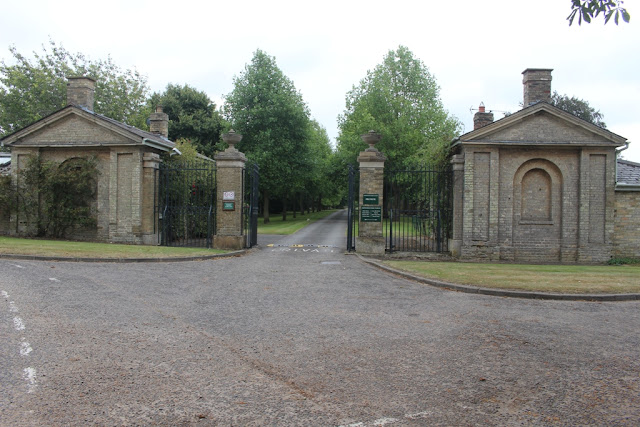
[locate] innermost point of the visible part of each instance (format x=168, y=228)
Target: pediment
x=71, y=129
x=540, y=125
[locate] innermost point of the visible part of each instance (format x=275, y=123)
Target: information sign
x=228, y=206
x=371, y=214
x=370, y=199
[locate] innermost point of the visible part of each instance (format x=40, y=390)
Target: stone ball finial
x=232, y=138
x=371, y=138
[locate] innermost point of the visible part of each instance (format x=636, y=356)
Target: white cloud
x=476, y=50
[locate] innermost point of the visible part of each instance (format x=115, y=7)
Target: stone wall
x=627, y=224
x=536, y=204
x=124, y=202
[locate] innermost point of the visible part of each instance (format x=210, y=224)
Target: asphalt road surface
x=300, y=334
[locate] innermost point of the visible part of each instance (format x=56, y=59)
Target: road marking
x=29, y=375
x=25, y=348
x=17, y=266
x=18, y=324
x=53, y=279
x=389, y=420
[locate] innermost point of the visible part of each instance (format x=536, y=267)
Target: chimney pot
x=482, y=118
x=81, y=92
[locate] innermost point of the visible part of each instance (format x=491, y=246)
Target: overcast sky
x=476, y=50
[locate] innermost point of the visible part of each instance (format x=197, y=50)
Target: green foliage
x=192, y=116
x=33, y=89
x=400, y=100
x=623, y=261
x=50, y=198
x=578, y=107
x=266, y=108
x=8, y=198
x=585, y=10
x=188, y=153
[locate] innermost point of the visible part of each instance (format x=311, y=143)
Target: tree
x=585, y=10
x=31, y=90
x=192, y=116
x=578, y=107
x=267, y=109
x=400, y=100
x=321, y=188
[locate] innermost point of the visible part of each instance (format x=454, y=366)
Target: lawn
x=60, y=248
x=291, y=225
x=545, y=278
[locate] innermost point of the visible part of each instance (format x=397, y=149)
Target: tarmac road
x=299, y=333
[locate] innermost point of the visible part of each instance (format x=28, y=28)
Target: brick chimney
x=81, y=91
x=482, y=118
x=537, y=85
x=159, y=122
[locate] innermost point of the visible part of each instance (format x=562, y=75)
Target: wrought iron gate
x=418, y=210
x=186, y=208
x=352, y=208
x=252, y=199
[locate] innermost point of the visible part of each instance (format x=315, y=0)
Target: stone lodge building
x=542, y=185
x=127, y=160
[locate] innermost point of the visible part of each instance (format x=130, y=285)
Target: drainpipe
x=626, y=145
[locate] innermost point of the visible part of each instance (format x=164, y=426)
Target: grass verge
x=570, y=279
x=60, y=248
x=291, y=225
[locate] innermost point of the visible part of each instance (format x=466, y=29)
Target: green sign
x=370, y=199
x=371, y=214
x=228, y=206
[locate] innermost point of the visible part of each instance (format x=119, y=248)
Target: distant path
x=300, y=334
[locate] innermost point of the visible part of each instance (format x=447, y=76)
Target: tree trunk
x=284, y=209
x=301, y=204
x=265, y=209
x=294, y=207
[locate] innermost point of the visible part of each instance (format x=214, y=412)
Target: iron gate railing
x=352, y=209
x=251, y=184
x=186, y=208
x=418, y=210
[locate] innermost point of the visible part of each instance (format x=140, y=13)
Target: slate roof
x=628, y=173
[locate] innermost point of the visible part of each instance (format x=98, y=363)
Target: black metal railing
x=186, y=207
x=251, y=182
x=352, y=209
x=418, y=210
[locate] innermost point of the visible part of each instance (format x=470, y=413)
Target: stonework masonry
x=627, y=224
x=540, y=186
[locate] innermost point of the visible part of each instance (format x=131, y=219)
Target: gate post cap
x=371, y=138
x=232, y=138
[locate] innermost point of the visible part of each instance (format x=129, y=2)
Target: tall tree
x=33, y=89
x=321, y=189
x=192, y=116
x=400, y=99
x=586, y=10
x=267, y=109
x=578, y=107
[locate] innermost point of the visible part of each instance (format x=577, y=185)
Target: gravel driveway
x=300, y=334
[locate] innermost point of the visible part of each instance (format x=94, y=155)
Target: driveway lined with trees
x=298, y=333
